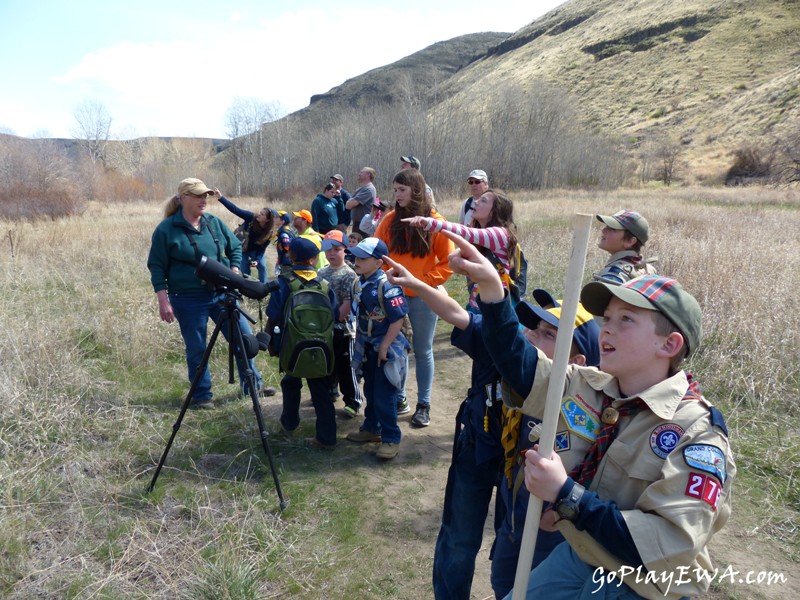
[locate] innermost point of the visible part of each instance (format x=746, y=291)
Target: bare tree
x=245, y=120
x=667, y=152
x=93, y=128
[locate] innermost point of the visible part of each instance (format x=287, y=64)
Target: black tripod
x=246, y=347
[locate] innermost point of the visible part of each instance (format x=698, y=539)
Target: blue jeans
x=380, y=414
x=466, y=503
x=507, y=545
x=423, y=323
x=326, y=414
x=564, y=576
x=192, y=310
x=258, y=257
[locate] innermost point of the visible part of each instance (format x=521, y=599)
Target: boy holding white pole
x=655, y=483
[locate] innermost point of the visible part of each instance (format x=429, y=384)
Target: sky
x=175, y=67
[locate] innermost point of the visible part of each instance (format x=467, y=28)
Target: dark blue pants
x=380, y=414
x=256, y=256
x=326, y=415
x=505, y=554
x=466, y=503
x=192, y=311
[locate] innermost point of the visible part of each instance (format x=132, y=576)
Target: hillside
x=422, y=72
x=711, y=74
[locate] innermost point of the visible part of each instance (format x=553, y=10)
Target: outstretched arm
x=239, y=212
x=440, y=303
x=466, y=260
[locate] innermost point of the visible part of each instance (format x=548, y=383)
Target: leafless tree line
x=525, y=138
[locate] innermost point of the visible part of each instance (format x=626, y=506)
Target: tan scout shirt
x=669, y=470
x=622, y=267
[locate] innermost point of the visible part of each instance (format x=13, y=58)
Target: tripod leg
x=252, y=387
x=195, y=381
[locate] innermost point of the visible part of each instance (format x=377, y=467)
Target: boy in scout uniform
x=623, y=236
x=655, y=481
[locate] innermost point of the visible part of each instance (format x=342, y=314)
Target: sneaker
x=403, y=407
x=362, y=435
x=351, y=412
x=422, y=416
x=316, y=444
x=267, y=391
x=387, y=451
x=202, y=405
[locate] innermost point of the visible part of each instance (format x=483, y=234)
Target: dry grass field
x=92, y=381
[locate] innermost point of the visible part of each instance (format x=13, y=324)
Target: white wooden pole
x=569, y=309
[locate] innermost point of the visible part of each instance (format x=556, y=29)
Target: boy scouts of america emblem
x=664, y=438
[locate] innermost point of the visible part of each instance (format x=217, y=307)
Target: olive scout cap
x=192, y=186
x=652, y=292
x=629, y=220
x=304, y=248
x=584, y=335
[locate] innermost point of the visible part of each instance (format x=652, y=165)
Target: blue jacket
x=251, y=225
x=325, y=213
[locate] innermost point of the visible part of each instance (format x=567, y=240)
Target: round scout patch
x=664, y=438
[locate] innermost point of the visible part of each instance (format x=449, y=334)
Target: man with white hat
x=478, y=184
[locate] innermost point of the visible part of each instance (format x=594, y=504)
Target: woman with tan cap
x=185, y=235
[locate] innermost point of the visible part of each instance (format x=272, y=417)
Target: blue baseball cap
x=370, y=246
x=584, y=335
x=304, y=248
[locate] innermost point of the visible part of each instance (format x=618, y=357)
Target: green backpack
x=306, y=349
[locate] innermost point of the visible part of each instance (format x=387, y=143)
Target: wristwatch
x=569, y=507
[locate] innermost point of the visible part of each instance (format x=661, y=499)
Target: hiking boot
x=387, y=451
x=351, y=412
x=403, y=407
x=202, y=405
x=317, y=445
x=422, y=416
x=362, y=435
x=267, y=391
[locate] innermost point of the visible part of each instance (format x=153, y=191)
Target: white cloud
x=183, y=87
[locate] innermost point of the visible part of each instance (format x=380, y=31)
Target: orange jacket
x=432, y=268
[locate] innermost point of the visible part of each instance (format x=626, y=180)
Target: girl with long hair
x=258, y=229
x=492, y=231
x=424, y=254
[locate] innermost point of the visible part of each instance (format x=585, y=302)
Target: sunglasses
x=474, y=181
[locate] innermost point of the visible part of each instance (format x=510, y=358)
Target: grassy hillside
x=713, y=75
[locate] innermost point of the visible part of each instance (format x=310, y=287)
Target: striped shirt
x=495, y=239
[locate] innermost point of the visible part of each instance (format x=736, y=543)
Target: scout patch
x=706, y=458
x=704, y=488
x=579, y=420
x=664, y=438
x=562, y=441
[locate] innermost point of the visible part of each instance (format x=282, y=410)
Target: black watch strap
x=569, y=507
